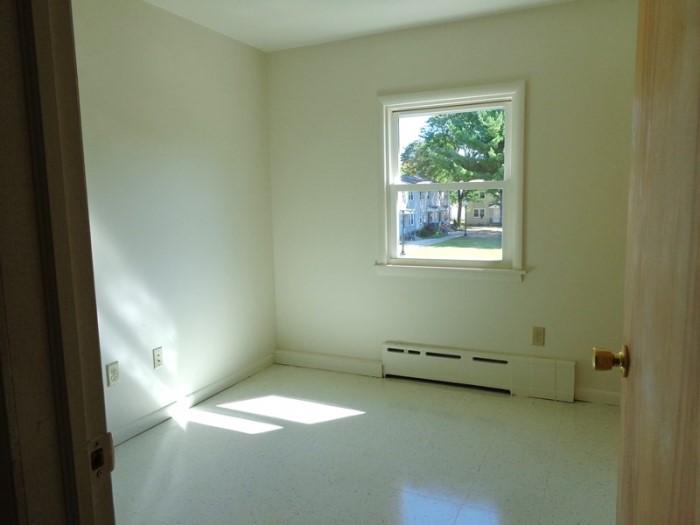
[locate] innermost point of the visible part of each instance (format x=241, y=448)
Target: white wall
x=174, y=122
x=325, y=118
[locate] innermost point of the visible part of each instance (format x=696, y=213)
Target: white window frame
x=509, y=96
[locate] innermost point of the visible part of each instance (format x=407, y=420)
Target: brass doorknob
x=606, y=360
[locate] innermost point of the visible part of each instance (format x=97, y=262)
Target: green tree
x=458, y=147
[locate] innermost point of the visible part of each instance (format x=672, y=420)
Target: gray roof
x=412, y=179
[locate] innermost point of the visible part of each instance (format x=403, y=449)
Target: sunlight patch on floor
x=290, y=409
x=237, y=424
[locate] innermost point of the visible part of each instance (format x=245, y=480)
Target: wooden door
x=659, y=480
x=54, y=454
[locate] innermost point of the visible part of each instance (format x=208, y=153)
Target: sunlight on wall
x=132, y=320
x=289, y=409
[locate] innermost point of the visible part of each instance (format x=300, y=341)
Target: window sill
x=445, y=272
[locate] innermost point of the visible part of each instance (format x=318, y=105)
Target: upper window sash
x=455, y=100
x=393, y=114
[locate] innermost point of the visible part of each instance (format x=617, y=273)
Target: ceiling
x=274, y=25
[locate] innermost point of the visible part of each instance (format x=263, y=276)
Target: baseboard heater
x=520, y=375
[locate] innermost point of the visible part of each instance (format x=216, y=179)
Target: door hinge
x=101, y=452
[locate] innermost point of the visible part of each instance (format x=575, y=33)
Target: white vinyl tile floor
x=293, y=446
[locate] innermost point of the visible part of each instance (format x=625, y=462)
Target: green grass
x=435, y=235
x=482, y=243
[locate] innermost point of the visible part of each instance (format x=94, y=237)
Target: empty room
x=235, y=207
x=352, y=259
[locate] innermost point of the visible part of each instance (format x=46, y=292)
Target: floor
x=406, y=452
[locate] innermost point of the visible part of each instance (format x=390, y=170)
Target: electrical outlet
x=113, y=373
x=158, y=357
x=538, y=335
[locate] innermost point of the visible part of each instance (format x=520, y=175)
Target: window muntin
x=483, y=191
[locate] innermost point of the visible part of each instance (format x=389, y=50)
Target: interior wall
x=326, y=164
x=175, y=137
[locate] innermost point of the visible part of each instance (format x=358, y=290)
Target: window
x=461, y=148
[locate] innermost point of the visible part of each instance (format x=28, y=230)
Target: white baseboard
x=592, y=395
x=163, y=414
x=369, y=367
x=334, y=363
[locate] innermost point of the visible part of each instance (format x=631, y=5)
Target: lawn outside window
x=453, y=180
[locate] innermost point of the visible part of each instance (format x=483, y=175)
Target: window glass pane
x=452, y=146
x=440, y=226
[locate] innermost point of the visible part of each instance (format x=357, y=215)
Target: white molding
x=450, y=97
x=333, y=363
x=591, y=395
x=449, y=272
x=374, y=368
x=135, y=428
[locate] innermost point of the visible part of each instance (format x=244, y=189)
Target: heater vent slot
x=490, y=360
x=520, y=375
x=446, y=356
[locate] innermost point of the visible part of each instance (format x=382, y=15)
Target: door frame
x=50, y=382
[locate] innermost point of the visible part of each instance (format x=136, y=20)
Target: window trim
x=511, y=96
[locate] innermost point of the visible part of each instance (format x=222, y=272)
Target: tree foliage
x=458, y=147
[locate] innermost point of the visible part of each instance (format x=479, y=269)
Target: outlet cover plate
x=158, y=357
x=538, y=335
x=113, y=373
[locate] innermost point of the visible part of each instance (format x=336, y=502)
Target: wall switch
x=113, y=373
x=538, y=335
x=158, y=357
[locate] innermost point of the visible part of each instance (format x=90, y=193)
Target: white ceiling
x=273, y=25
